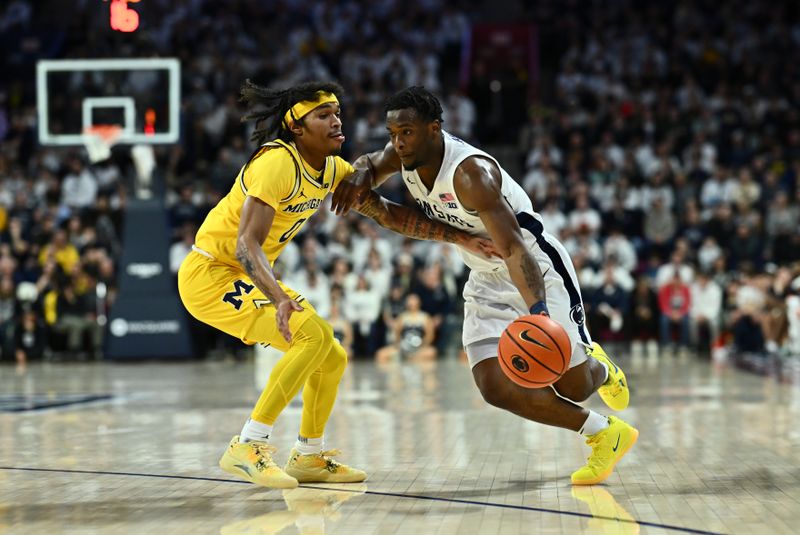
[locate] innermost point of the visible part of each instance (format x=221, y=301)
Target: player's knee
x=496, y=398
x=574, y=392
x=495, y=392
x=503, y=394
x=578, y=384
x=337, y=359
x=316, y=332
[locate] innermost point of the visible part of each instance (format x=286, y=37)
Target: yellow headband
x=301, y=109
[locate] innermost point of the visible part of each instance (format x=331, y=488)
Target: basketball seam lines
x=534, y=358
x=505, y=365
x=511, y=369
x=563, y=358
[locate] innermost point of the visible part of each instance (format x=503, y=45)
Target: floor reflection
x=308, y=509
x=610, y=518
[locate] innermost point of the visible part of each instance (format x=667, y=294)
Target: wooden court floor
x=113, y=448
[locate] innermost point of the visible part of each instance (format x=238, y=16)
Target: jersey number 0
x=294, y=228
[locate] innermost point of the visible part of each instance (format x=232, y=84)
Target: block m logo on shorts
x=239, y=287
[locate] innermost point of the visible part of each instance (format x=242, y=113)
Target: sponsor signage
x=147, y=319
x=147, y=327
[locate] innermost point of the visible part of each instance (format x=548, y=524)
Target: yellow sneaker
x=321, y=468
x=614, y=392
x=252, y=461
x=608, y=447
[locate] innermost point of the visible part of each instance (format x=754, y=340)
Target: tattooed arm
x=478, y=184
x=254, y=225
x=372, y=170
x=413, y=223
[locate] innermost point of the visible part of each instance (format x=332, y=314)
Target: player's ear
x=296, y=129
x=436, y=127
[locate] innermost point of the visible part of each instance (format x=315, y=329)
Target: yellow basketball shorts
x=224, y=297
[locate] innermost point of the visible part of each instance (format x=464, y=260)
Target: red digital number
x=123, y=19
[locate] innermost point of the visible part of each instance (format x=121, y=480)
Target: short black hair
x=419, y=99
x=268, y=106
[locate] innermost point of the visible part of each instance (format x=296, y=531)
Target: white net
x=98, y=141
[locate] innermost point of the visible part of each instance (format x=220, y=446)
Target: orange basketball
x=534, y=351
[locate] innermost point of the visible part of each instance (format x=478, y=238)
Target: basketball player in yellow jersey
x=227, y=281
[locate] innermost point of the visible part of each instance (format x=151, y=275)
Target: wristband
x=539, y=307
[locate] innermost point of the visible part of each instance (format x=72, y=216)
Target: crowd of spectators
x=667, y=159
x=662, y=147
x=67, y=212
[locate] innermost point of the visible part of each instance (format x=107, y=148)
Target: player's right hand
x=285, y=308
x=351, y=191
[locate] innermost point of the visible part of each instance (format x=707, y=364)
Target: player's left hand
x=482, y=246
x=285, y=308
x=351, y=191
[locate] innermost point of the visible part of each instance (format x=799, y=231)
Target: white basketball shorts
x=491, y=302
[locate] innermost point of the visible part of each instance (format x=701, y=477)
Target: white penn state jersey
x=441, y=203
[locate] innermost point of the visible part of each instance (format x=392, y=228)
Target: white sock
x=594, y=423
x=308, y=446
x=605, y=367
x=254, y=431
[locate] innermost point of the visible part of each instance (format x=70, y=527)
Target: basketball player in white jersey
x=464, y=187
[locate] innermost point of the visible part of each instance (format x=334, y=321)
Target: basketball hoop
x=98, y=140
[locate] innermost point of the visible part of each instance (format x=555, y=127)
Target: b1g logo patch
x=576, y=314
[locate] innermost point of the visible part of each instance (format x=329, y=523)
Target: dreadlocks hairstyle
x=419, y=99
x=268, y=106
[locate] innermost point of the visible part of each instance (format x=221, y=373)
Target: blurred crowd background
x=660, y=142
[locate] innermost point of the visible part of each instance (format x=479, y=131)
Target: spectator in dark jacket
x=608, y=306
x=30, y=337
x=76, y=316
x=436, y=302
x=642, y=322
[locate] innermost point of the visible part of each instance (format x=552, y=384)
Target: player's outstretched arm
x=254, y=225
x=372, y=170
x=478, y=185
x=413, y=223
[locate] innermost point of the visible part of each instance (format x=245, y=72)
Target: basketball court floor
x=119, y=448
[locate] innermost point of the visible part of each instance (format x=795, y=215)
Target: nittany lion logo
x=576, y=314
x=519, y=363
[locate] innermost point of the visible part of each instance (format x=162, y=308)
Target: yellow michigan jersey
x=212, y=285
x=278, y=176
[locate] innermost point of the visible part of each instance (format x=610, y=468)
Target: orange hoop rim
x=109, y=133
